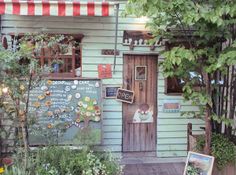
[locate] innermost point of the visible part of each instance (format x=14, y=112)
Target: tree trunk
x=208, y=126
x=25, y=143
x=208, y=131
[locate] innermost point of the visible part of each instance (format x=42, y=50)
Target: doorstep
x=138, y=159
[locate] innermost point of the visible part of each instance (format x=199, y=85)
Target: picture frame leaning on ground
x=198, y=164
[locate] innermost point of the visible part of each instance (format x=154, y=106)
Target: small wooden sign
x=111, y=91
x=171, y=106
x=104, y=71
x=110, y=52
x=125, y=95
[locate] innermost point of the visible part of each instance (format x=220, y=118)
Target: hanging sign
x=111, y=91
x=125, y=96
x=104, y=71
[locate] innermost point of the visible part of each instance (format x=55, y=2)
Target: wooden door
x=139, y=129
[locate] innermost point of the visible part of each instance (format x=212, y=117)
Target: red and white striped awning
x=56, y=8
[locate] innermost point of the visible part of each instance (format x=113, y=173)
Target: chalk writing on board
x=69, y=104
x=111, y=91
x=125, y=95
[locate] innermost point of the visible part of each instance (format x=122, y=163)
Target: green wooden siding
x=99, y=34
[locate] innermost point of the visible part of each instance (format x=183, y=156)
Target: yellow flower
x=49, y=82
x=22, y=87
x=87, y=99
x=37, y=104
x=48, y=103
x=1, y=170
x=90, y=108
x=49, y=126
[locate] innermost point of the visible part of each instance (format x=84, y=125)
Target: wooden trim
x=81, y=63
x=70, y=78
x=141, y=53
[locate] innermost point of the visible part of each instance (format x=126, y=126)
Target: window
x=60, y=52
x=173, y=85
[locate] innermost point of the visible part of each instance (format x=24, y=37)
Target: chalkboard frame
x=105, y=91
x=125, y=100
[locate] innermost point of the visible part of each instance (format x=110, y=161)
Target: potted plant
x=56, y=65
x=224, y=152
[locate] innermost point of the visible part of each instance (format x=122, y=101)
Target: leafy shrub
x=65, y=161
x=222, y=149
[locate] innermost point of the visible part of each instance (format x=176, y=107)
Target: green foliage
x=64, y=161
x=222, y=149
x=192, y=171
x=88, y=137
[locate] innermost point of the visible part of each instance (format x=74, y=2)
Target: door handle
x=127, y=83
x=140, y=86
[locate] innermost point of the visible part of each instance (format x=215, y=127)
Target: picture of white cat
x=144, y=114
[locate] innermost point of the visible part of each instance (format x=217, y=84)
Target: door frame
x=155, y=120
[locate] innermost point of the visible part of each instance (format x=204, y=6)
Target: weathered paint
x=99, y=34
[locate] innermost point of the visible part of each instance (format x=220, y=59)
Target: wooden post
x=73, y=62
x=208, y=129
x=189, y=132
x=1, y=145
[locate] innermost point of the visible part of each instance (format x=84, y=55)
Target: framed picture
x=110, y=91
x=198, y=164
x=140, y=72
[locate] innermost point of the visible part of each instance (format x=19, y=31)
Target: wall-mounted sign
x=104, y=71
x=111, y=91
x=171, y=106
x=199, y=163
x=140, y=72
x=110, y=52
x=125, y=96
x=144, y=114
x=70, y=106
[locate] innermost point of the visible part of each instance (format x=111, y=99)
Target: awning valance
x=56, y=8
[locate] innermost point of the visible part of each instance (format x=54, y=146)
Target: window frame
x=62, y=75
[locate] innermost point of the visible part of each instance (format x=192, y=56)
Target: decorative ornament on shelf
x=140, y=39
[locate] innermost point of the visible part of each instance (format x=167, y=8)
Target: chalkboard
x=64, y=110
x=125, y=95
x=110, y=91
